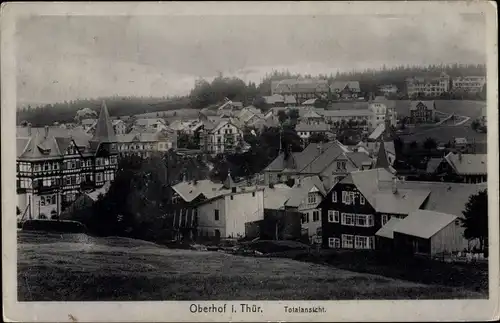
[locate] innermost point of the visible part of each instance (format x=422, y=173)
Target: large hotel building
x=54, y=165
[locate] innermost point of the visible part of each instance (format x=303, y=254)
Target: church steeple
x=104, y=131
x=104, y=136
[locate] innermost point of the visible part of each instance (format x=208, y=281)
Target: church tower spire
x=104, y=132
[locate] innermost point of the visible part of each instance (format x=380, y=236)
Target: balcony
x=45, y=188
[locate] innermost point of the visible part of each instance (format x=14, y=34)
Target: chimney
x=46, y=131
x=394, y=185
x=29, y=129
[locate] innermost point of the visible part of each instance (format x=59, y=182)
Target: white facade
x=225, y=136
x=225, y=216
x=311, y=214
x=120, y=127
x=430, y=87
x=379, y=111
x=471, y=84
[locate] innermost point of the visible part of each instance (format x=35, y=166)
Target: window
x=315, y=216
x=364, y=220
x=68, y=180
x=334, y=243
x=253, y=194
x=333, y=216
x=232, y=197
x=385, y=219
x=98, y=177
x=347, y=241
x=362, y=242
x=334, y=197
x=348, y=198
x=348, y=219
x=361, y=200
x=311, y=198
x=55, y=166
x=216, y=215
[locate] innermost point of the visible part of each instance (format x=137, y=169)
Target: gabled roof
x=387, y=231
x=433, y=164
x=189, y=190
x=312, y=114
x=341, y=85
x=115, y=122
x=359, y=158
x=442, y=193
x=330, y=152
x=376, y=187
x=424, y=224
x=430, y=105
x=273, y=99
x=104, y=131
x=468, y=164
x=38, y=146
x=276, y=198
x=313, y=159
x=302, y=188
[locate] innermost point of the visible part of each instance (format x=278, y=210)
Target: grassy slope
x=78, y=268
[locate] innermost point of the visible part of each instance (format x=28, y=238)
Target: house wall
x=449, y=239
x=216, y=140
x=307, y=208
x=337, y=229
x=335, y=169
x=406, y=244
x=242, y=208
x=206, y=218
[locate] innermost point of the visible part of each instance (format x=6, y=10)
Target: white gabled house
x=222, y=137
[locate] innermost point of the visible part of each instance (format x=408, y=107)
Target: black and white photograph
x=226, y=155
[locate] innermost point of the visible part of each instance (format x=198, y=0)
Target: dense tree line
x=206, y=93
x=65, y=112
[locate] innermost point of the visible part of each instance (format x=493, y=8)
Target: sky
x=68, y=57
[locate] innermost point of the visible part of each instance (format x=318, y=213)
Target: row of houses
x=56, y=164
x=366, y=209
x=290, y=92
x=444, y=84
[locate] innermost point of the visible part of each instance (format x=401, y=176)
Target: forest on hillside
x=206, y=93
